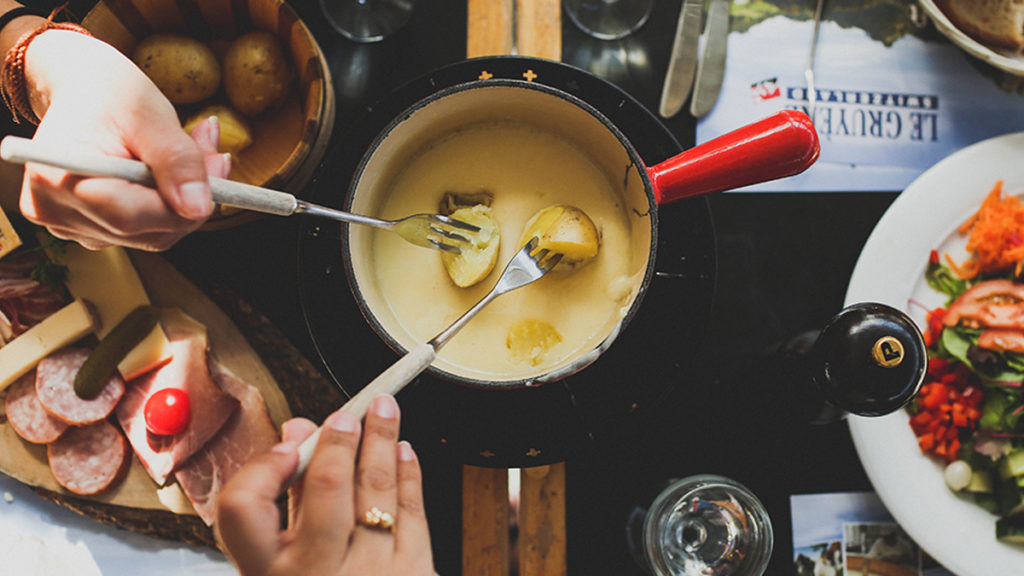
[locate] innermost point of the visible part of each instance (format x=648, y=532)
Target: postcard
x=852, y=534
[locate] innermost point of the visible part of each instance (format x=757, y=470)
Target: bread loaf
x=992, y=22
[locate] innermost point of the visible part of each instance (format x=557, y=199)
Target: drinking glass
x=367, y=20
x=608, y=19
x=702, y=525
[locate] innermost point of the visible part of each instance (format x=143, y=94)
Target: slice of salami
x=55, y=386
x=26, y=414
x=89, y=459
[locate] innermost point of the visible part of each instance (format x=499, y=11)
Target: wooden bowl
x=288, y=141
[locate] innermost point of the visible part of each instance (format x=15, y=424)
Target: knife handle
x=780, y=145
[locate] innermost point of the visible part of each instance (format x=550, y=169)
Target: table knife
x=711, y=67
x=683, y=60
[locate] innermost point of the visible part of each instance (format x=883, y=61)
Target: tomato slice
x=990, y=304
x=168, y=412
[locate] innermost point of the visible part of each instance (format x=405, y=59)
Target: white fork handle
x=390, y=381
x=228, y=192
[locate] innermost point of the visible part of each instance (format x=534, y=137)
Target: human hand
x=324, y=535
x=92, y=97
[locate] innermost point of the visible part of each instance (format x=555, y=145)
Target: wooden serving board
x=138, y=504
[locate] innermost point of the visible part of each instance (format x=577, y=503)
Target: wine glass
x=608, y=19
x=702, y=525
x=367, y=20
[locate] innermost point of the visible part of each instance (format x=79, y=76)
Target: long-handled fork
x=429, y=230
x=525, y=267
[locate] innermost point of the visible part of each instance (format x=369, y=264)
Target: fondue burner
x=535, y=425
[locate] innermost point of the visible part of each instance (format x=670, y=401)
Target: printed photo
x=879, y=548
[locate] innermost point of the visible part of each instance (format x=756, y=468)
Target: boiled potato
x=184, y=69
x=564, y=230
x=529, y=340
x=476, y=260
x=234, y=131
x=257, y=75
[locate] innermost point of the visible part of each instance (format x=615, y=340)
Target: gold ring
x=377, y=519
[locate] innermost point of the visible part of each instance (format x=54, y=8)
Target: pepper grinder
x=870, y=359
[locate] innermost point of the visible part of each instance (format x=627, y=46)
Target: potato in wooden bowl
x=288, y=136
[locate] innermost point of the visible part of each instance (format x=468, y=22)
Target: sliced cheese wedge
x=9, y=239
x=107, y=280
x=63, y=327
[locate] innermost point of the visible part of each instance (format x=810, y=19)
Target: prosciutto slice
x=248, y=433
x=188, y=370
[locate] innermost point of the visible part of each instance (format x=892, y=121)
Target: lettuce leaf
x=942, y=280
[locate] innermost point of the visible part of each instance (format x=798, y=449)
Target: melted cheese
x=525, y=169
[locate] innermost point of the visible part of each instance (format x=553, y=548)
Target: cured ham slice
x=89, y=459
x=55, y=387
x=27, y=416
x=248, y=433
x=188, y=370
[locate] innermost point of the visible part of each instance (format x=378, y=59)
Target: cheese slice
x=9, y=239
x=107, y=280
x=63, y=327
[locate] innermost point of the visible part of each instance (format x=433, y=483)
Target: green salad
x=969, y=413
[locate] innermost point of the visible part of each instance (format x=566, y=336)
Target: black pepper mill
x=869, y=359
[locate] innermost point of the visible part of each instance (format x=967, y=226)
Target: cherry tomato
x=168, y=412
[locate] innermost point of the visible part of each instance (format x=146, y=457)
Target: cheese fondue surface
x=525, y=169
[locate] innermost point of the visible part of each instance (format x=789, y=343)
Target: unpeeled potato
x=184, y=69
x=257, y=74
x=565, y=230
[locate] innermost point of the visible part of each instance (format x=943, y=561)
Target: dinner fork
x=527, y=266
x=428, y=230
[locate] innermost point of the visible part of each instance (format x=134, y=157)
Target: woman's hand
x=92, y=97
x=329, y=532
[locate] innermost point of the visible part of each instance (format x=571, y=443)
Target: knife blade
x=711, y=67
x=683, y=61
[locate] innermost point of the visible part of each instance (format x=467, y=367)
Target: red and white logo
x=766, y=89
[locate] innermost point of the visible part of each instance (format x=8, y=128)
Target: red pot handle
x=778, y=146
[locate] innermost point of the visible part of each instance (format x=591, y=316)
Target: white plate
x=1012, y=62
x=954, y=531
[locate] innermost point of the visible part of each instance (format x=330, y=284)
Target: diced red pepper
x=926, y=442
x=948, y=404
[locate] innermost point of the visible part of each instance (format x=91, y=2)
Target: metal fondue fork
x=428, y=230
x=525, y=267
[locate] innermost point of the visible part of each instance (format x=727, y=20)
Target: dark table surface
x=783, y=264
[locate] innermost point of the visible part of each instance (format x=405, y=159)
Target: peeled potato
x=477, y=259
x=184, y=69
x=564, y=230
x=234, y=131
x=529, y=340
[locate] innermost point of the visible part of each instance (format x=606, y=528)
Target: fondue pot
x=778, y=146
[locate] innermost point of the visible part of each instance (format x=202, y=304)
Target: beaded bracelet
x=13, y=87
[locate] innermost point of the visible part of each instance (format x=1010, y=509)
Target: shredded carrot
x=996, y=236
